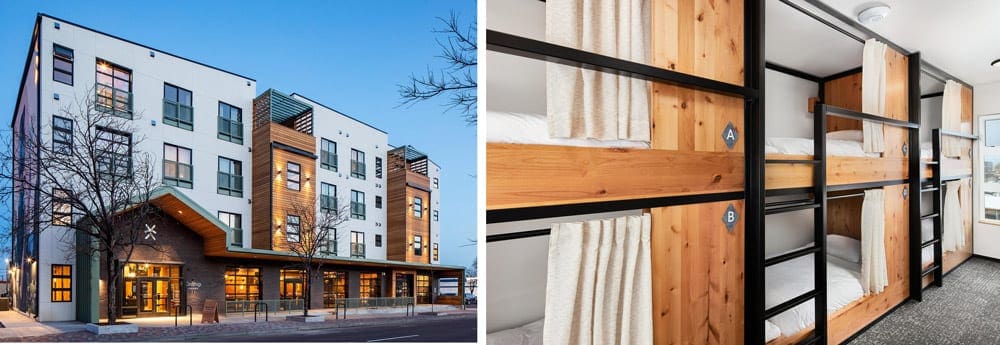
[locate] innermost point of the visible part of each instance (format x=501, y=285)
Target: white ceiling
x=958, y=36
x=795, y=40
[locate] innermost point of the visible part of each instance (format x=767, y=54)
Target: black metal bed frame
x=754, y=193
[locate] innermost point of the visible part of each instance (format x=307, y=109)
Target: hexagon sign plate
x=730, y=217
x=730, y=136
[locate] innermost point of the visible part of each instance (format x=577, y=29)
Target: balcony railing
x=358, y=250
x=238, y=237
x=328, y=160
x=358, y=169
x=110, y=99
x=357, y=210
x=177, y=174
x=369, y=302
x=179, y=115
x=230, y=130
x=329, y=248
x=230, y=184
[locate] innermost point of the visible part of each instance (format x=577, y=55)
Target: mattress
x=520, y=128
x=926, y=151
x=529, y=334
x=790, y=279
x=804, y=146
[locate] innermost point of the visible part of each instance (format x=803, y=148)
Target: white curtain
x=586, y=104
x=953, y=231
x=951, y=118
x=874, y=274
x=599, y=288
x=873, y=77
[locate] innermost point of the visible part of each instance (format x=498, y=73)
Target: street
x=442, y=329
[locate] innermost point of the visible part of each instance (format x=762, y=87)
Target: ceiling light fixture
x=995, y=63
x=873, y=14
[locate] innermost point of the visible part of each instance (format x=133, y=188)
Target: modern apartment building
x=232, y=163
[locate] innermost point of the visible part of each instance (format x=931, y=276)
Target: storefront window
x=370, y=285
x=242, y=284
x=423, y=289
x=151, y=289
x=292, y=284
x=334, y=287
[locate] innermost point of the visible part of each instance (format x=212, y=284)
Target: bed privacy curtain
x=951, y=113
x=874, y=274
x=873, y=77
x=953, y=233
x=583, y=103
x=599, y=288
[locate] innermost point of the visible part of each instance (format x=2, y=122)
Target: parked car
x=470, y=298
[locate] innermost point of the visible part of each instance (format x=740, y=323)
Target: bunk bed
x=689, y=177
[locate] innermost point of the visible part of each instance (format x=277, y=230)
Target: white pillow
x=852, y=135
x=843, y=247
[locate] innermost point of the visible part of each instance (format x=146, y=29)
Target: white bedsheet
x=519, y=128
x=790, y=279
x=804, y=146
x=530, y=334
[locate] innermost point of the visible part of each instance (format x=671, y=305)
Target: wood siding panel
x=261, y=175
x=897, y=85
x=698, y=276
x=689, y=120
x=839, y=171
x=403, y=185
x=284, y=200
x=520, y=175
x=967, y=108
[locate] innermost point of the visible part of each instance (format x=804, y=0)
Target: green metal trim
x=284, y=107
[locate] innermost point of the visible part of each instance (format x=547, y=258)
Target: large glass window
x=370, y=285
x=177, y=110
x=418, y=245
x=357, y=244
x=334, y=287
x=292, y=284
x=114, y=153
x=435, y=252
x=62, y=210
x=177, y=168
x=418, y=207
x=243, y=283
x=991, y=167
x=230, y=179
x=62, y=135
x=230, y=123
x=328, y=155
x=328, y=198
x=357, y=205
x=292, y=228
x=235, y=222
x=62, y=283
x=114, y=89
x=294, y=176
x=62, y=64
x=357, y=164
x=329, y=246
x=423, y=288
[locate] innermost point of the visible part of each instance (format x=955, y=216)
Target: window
x=328, y=198
x=991, y=167
x=114, y=153
x=230, y=123
x=62, y=64
x=292, y=284
x=230, y=178
x=357, y=205
x=378, y=201
x=357, y=164
x=292, y=228
x=235, y=222
x=357, y=244
x=177, y=110
x=418, y=245
x=378, y=241
x=62, y=210
x=370, y=285
x=334, y=287
x=435, y=252
x=423, y=288
x=435, y=215
x=378, y=167
x=418, y=207
x=330, y=245
x=62, y=283
x=294, y=176
x=436, y=183
x=114, y=89
x=177, y=169
x=62, y=135
x=328, y=155
x=242, y=284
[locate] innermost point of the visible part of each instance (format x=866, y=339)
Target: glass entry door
x=151, y=289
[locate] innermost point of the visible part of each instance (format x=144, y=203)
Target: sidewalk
x=16, y=325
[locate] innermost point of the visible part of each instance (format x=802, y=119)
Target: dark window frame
x=328, y=159
x=289, y=227
x=178, y=120
x=111, y=93
x=64, y=215
x=68, y=278
x=114, y=161
x=436, y=257
x=378, y=201
x=327, y=202
x=358, y=164
x=378, y=167
x=357, y=248
x=60, y=143
x=378, y=240
x=418, y=245
x=232, y=272
x=237, y=231
x=358, y=205
x=62, y=56
x=297, y=180
x=233, y=179
x=229, y=129
x=418, y=207
x=176, y=180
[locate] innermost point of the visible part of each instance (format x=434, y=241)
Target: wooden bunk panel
x=690, y=120
x=839, y=171
x=960, y=166
x=698, y=280
x=967, y=121
x=845, y=92
x=897, y=85
x=520, y=175
x=699, y=37
x=843, y=217
x=856, y=316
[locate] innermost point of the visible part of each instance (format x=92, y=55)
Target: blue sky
x=347, y=55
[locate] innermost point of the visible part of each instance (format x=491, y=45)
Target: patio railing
x=274, y=306
x=369, y=302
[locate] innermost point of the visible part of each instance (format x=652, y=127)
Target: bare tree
x=89, y=180
x=457, y=80
x=317, y=236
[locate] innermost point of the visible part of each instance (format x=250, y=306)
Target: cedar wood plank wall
x=698, y=278
x=402, y=224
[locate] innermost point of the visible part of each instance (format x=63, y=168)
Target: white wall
x=350, y=134
x=434, y=173
x=930, y=117
x=986, y=236
x=786, y=105
x=514, y=83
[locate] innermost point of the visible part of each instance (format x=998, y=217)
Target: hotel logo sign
x=151, y=232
